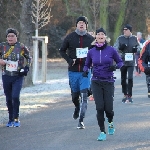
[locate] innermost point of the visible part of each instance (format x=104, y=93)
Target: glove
x=85, y=74
x=147, y=70
x=24, y=71
x=122, y=47
x=112, y=68
x=134, y=49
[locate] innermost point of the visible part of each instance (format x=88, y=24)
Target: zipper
x=128, y=44
x=100, y=59
x=81, y=45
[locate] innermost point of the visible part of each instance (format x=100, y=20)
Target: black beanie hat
x=128, y=26
x=100, y=30
x=82, y=18
x=11, y=30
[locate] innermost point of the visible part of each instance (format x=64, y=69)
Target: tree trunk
x=147, y=15
x=26, y=33
x=104, y=14
x=120, y=18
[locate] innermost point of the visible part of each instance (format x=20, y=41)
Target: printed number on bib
x=81, y=52
x=11, y=66
x=128, y=56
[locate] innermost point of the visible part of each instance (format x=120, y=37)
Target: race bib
x=128, y=56
x=11, y=65
x=81, y=52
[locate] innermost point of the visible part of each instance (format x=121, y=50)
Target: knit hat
x=128, y=26
x=100, y=30
x=11, y=30
x=82, y=18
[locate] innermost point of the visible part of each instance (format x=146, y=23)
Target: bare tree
x=94, y=6
x=41, y=14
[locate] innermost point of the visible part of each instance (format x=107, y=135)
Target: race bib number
x=128, y=56
x=11, y=66
x=81, y=52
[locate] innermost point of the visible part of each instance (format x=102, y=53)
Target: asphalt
x=53, y=128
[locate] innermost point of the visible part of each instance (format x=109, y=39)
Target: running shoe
x=148, y=91
x=130, y=99
x=91, y=98
x=10, y=124
x=111, y=129
x=81, y=125
x=16, y=123
x=102, y=136
x=125, y=98
x=148, y=94
x=136, y=74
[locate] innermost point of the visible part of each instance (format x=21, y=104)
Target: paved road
x=53, y=128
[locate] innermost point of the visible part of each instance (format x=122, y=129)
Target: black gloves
x=134, y=49
x=85, y=74
x=112, y=68
x=122, y=47
x=147, y=70
x=24, y=71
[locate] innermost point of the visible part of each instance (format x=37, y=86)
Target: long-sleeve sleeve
x=145, y=56
x=88, y=62
x=117, y=59
x=27, y=56
x=63, y=50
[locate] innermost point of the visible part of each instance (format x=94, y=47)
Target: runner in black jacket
x=127, y=45
x=74, y=50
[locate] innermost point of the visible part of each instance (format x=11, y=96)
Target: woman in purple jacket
x=102, y=58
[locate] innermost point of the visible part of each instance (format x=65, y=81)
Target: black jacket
x=130, y=42
x=146, y=55
x=68, y=49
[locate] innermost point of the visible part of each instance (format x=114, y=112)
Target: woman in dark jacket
x=101, y=57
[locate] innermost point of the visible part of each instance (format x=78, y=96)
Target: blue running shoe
x=102, y=137
x=111, y=129
x=10, y=124
x=16, y=123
